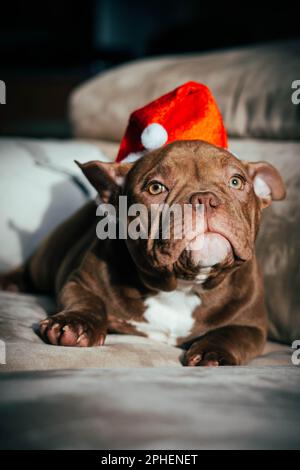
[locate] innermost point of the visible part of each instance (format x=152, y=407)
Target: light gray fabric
x=252, y=86
x=164, y=408
x=20, y=314
x=19, y=317
x=40, y=185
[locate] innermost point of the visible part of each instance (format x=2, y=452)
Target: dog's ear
x=107, y=178
x=267, y=182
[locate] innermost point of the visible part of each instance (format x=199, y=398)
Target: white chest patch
x=169, y=315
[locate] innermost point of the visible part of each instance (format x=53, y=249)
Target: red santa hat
x=187, y=113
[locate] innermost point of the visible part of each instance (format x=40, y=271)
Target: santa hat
x=187, y=113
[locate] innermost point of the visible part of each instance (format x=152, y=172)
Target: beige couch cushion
x=252, y=86
x=19, y=317
x=20, y=314
x=167, y=408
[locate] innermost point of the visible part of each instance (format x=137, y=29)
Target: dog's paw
x=196, y=356
x=73, y=329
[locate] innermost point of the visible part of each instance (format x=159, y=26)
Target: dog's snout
x=207, y=198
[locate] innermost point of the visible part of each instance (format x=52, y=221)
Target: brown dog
x=208, y=300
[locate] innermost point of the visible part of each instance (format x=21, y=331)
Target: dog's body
x=210, y=301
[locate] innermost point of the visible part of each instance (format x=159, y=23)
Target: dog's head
x=226, y=194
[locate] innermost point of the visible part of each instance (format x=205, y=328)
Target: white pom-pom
x=154, y=136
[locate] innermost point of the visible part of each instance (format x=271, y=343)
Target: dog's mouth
x=209, y=249
x=203, y=257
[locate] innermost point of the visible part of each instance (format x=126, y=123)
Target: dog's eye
x=236, y=182
x=155, y=188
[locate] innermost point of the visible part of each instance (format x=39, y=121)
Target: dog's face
x=223, y=193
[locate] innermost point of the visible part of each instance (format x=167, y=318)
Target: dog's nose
x=208, y=199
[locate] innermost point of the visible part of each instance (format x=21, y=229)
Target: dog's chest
x=169, y=315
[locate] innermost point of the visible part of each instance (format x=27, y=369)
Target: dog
x=208, y=301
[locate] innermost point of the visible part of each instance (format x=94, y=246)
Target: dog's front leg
x=82, y=320
x=227, y=346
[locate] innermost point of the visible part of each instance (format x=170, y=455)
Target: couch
x=134, y=393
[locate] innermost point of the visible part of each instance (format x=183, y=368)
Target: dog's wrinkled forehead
x=186, y=160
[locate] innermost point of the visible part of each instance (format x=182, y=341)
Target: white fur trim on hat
x=154, y=136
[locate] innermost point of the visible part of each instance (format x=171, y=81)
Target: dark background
x=47, y=48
